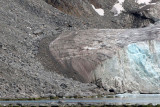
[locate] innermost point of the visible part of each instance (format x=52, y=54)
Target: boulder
x=126, y=60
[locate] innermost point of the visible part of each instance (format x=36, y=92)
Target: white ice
x=100, y=11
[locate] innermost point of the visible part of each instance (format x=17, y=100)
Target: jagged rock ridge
x=134, y=14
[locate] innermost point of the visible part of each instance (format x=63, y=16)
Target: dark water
x=115, y=100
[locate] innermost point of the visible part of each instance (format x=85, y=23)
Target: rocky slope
x=23, y=24
x=27, y=67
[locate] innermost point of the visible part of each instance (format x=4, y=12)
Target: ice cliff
x=134, y=68
x=124, y=60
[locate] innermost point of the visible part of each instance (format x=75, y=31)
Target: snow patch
x=143, y=1
x=100, y=11
x=121, y=1
x=118, y=8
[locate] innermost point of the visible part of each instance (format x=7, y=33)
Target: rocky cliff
x=117, y=13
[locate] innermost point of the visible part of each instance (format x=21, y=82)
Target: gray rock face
x=149, y=10
x=124, y=60
x=117, y=13
x=73, y=7
x=154, y=12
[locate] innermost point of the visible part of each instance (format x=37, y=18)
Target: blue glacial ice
x=144, y=57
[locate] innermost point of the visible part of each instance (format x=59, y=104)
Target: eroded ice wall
x=134, y=68
x=124, y=60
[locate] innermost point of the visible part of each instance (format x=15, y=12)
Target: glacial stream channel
x=119, y=99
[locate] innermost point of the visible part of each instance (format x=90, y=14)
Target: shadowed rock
x=150, y=11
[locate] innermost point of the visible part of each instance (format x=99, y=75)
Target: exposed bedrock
x=117, y=13
x=150, y=10
x=117, y=60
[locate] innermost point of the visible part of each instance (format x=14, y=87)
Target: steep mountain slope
x=23, y=23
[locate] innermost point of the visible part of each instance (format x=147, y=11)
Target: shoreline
x=119, y=100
